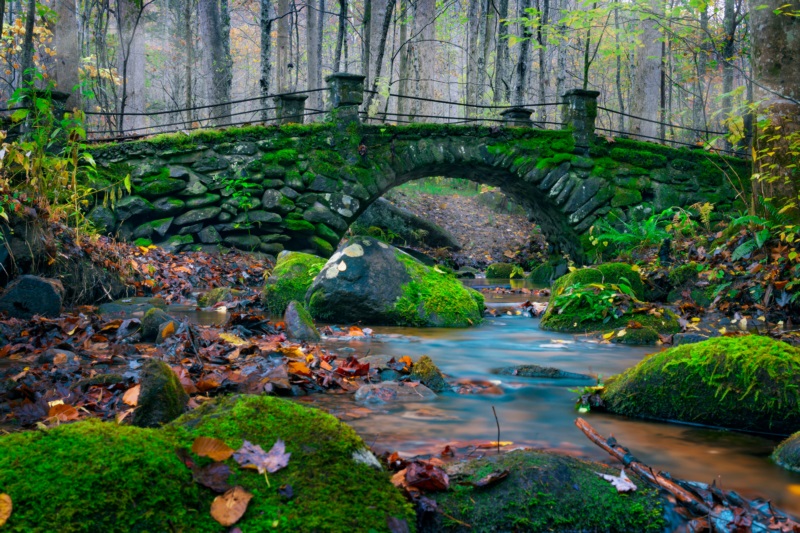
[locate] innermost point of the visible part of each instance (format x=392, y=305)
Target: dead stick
x=644, y=471
x=498, y=429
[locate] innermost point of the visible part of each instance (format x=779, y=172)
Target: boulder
x=132, y=206
x=500, y=271
x=546, y=372
x=416, y=231
x=146, y=487
x=290, y=279
x=427, y=373
x=151, y=322
x=543, y=492
x=787, y=454
x=161, y=398
x=28, y=295
x=394, y=391
x=220, y=294
x=299, y=324
x=372, y=282
x=746, y=383
x=103, y=219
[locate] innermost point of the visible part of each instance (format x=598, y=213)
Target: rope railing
x=690, y=145
x=464, y=104
x=660, y=123
x=189, y=121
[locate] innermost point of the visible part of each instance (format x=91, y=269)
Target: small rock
x=427, y=373
x=299, y=324
x=28, y=295
x=151, y=323
x=166, y=330
x=162, y=398
x=393, y=391
x=536, y=371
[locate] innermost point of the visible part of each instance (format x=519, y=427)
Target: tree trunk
x=67, y=54
x=189, y=65
x=541, y=38
x=266, y=56
x=502, y=85
x=214, y=63
x=378, y=14
x=340, y=36
x=404, y=71
x=646, y=91
x=426, y=54
x=699, y=100
x=314, y=14
x=387, y=21
x=472, y=29
x=224, y=74
x=284, y=54
x=27, y=44
x=366, y=41
x=488, y=31
x=131, y=61
x=561, y=52
x=524, y=61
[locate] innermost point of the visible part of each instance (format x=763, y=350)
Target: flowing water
x=540, y=413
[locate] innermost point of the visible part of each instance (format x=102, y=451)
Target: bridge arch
x=306, y=184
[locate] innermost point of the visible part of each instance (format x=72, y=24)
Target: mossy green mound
x=436, y=298
x=332, y=491
x=543, y=492
x=499, y=271
x=290, y=279
x=215, y=296
x=787, y=454
x=749, y=383
x=97, y=476
x=613, y=273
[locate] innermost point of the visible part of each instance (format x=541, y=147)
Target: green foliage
x=241, y=190
x=747, y=383
x=598, y=302
x=611, y=235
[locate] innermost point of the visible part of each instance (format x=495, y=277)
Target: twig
x=498, y=429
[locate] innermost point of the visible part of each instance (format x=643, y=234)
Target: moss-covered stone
x=625, y=197
x=299, y=324
x=499, y=270
x=214, y=296
x=543, y=492
x=787, y=454
x=133, y=481
x=682, y=274
x=151, y=321
x=748, y=383
x=644, y=336
x=426, y=372
x=161, y=398
x=290, y=279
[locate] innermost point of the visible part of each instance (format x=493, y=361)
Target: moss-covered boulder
x=748, y=383
x=215, y=296
x=427, y=373
x=299, y=324
x=787, y=454
x=543, y=492
x=151, y=322
x=161, y=398
x=290, y=279
x=335, y=489
x=369, y=281
x=499, y=271
x=606, y=273
x=100, y=476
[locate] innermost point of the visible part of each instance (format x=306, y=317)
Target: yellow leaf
x=572, y=269
x=608, y=335
x=230, y=338
x=695, y=320
x=168, y=330
x=723, y=330
x=622, y=332
x=296, y=367
x=131, y=396
x=793, y=489
x=635, y=268
x=5, y=508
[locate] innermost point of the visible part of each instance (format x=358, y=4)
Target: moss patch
x=436, y=299
x=499, y=270
x=749, y=383
x=290, y=279
x=426, y=372
x=787, y=454
x=544, y=492
x=605, y=273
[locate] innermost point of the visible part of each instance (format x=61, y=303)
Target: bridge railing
x=348, y=101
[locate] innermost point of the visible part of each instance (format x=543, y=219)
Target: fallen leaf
x=489, y=480
x=231, y=506
x=214, y=476
x=495, y=444
x=297, y=367
x=5, y=508
x=356, y=331
x=213, y=448
x=168, y=330
x=621, y=482
x=253, y=456
x=230, y=338
x=63, y=413
x=131, y=396
x=426, y=477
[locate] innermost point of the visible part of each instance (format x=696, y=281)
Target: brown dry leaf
x=60, y=359
x=253, y=456
x=63, y=413
x=213, y=448
x=296, y=367
x=5, y=508
x=231, y=506
x=131, y=396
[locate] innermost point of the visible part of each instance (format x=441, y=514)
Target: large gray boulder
x=414, y=230
x=369, y=281
x=27, y=296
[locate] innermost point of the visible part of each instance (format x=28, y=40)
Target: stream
x=540, y=413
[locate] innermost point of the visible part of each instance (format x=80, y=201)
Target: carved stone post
x=517, y=116
x=290, y=108
x=346, y=95
x=580, y=112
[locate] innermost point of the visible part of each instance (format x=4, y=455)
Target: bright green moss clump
x=290, y=279
x=615, y=273
x=436, y=299
x=96, y=476
x=332, y=492
x=544, y=492
x=499, y=270
x=749, y=383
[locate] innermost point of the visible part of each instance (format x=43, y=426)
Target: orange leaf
x=131, y=396
x=355, y=331
x=208, y=383
x=213, y=448
x=63, y=412
x=231, y=506
x=406, y=360
x=296, y=367
x=5, y=508
x=168, y=330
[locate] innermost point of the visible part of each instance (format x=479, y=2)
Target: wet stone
x=394, y=391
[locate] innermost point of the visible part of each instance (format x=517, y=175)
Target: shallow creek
x=540, y=413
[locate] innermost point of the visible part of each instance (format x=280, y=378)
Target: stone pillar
x=517, y=116
x=290, y=108
x=346, y=93
x=579, y=113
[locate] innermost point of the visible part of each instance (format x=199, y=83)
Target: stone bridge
x=299, y=187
